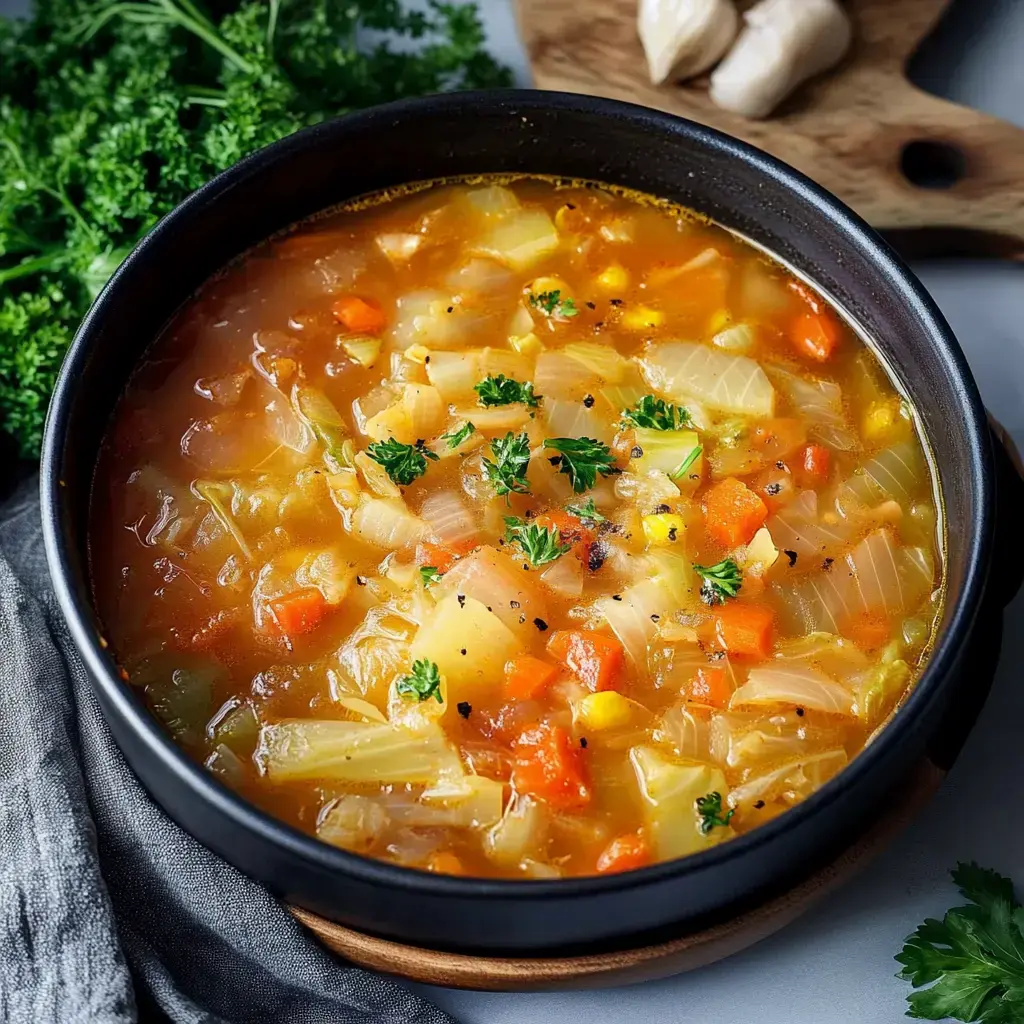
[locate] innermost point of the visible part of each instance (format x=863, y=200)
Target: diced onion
x=448, y=517
x=399, y=246
x=820, y=402
x=522, y=830
x=738, y=340
x=603, y=360
x=520, y=239
x=560, y=376
x=793, y=684
x=798, y=527
x=792, y=782
x=574, y=419
x=353, y=822
x=387, y=523
x=565, y=577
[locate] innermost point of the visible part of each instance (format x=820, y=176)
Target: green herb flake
x=422, y=683
x=502, y=390
x=430, y=574
x=402, y=462
x=552, y=304
x=586, y=511
x=508, y=470
x=540, y=545
x=973, y=959
x=653, y=413
x=709, y=807
x=721, y=581
x=581, y=459
x=456, y=437
x=680, y=471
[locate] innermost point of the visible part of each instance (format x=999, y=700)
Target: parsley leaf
x=974, y=955
x=680, y=471
x=111, y=113
x=656, y=414
x=722, y=580
x=586, y=511
x=508, y=471
x=430, y=574
x=423, y=683
x=581, y=459
x=502, y=390
x=540, y=545
x=456, y=437
x=709, y=807
x=402, y=462
x=552, y=304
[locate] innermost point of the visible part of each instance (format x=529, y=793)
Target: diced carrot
x=733, y=513
x=299, y=612
x=815, y=461
x=572, y=531
x=442, y=558
x=815, y=335
x=549, y=765
x=527, y=678
x=624, y=853
x=444, y=862
x=357, y=314
x=596, y=659
x=709, y=686
x=867, y=631
x=745, y=628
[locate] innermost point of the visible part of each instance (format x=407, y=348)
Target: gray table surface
x=835, y=966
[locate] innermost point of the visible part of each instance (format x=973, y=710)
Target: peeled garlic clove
x=682, y=38
x=783, y=43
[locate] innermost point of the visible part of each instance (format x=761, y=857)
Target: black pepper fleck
x=360, y=581
x=522, y=619
x=615, y=302
x=463, y=652
x=464, y=708
x=773, y=488
x=598, y=325
x=800, y=712
x=655, y=618
x=462, y=600
x=590, y=305
x=661, y=510
x=791, y=555
x=426, y=360
x=583, y=742
x=588, y=401
x=616, y=597
x=636, y=452
x=530, y=514
x=758, y=804
x=514, y=604
x=780, y=464
x=570, y=206
x=827, y=564
x=672, y=531
x=540, y=624
x=451, y=308
x=596, y=557
x=555, y=460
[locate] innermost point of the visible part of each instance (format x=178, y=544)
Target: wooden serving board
x=856, y=130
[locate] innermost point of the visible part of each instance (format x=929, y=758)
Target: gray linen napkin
x=108, y=911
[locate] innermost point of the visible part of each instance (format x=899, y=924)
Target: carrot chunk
x=745, y=629
x=867, y=631
x=526, y=678
x=548, y=765
x=440, y=556
x=815, y=335
x=815, y=461
x=444, y=862
x=624, y=853
x=594, y=658
x=733, y=513
x=357, y=314
x=299, y=612
x=709, y=686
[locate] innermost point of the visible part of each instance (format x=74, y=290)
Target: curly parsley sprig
x=402, y=462
x=422, y=683
x=502, y=390
x=653, y=413
x=540, y=544
x=722, y=580
x=508, y=469
x=581, y=459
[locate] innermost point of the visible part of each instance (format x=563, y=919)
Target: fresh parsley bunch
x=112, y=112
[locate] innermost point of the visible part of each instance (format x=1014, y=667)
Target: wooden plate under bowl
x=624, y=967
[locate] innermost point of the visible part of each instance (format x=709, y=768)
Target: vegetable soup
x=516, y=528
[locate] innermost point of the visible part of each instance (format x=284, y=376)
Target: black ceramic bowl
x=579, y=137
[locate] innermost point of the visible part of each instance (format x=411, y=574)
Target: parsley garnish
x=582, y=458
x=423, y=683
x=975, y=955
x=680, y=471
x=402, y=462
x=720, y=581
x=586, y=511
x=656, y=414
x=709, y=807
x=430, y=574
x=540, y=545
x=508, y=471
x=552, y=304
x=502, y=390
x=456, y=437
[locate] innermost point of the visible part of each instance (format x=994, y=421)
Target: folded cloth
x=108, y=911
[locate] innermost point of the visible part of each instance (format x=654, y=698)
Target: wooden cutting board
x=859, y=130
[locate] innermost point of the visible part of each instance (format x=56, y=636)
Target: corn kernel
x=364, y=351
x=642, y=317
x=528, y=344
x=614, y=278
x=605, y=710
x=719, y=321
x=663, y=528
x=417, y=353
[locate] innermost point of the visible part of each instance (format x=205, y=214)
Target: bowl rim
x=80, y=615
